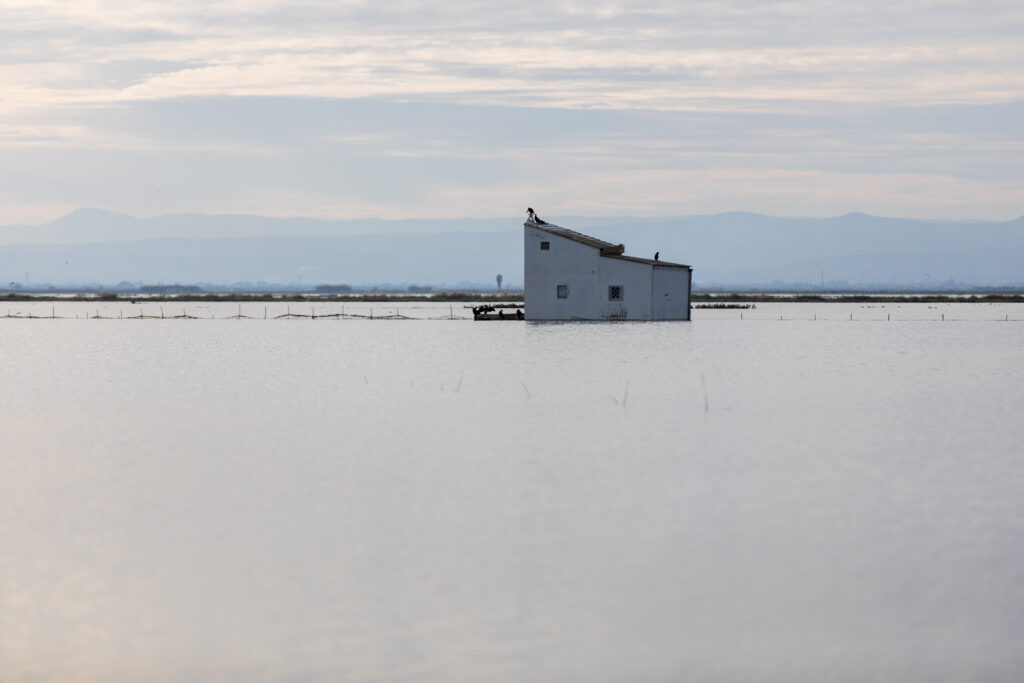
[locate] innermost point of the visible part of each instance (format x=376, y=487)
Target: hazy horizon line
x=655, y=217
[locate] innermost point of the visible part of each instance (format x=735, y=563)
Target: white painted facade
x=569, y=276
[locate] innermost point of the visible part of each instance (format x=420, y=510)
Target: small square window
x=563, y=291
x=545, y=246
x=614, y=292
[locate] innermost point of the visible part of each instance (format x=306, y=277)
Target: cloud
x=286, y=156
x=609, y=55
x=652, y=92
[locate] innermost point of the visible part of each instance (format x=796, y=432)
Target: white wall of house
x=567, y=263
x=670, y=293
x=634, y=281
x=647, y=292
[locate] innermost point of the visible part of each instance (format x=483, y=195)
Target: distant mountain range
x=97, y=225
x=96, y=246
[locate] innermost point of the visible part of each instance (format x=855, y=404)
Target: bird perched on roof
x=531, y=215
x=656, y=255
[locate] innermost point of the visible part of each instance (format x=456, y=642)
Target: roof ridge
x=607, y=248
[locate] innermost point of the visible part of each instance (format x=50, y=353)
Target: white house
x=570, y=276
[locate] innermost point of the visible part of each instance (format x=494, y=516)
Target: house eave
x=648, y=261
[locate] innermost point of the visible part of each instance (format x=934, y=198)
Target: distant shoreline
x=909, y=297
x=514, y=297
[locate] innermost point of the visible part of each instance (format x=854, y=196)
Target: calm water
x=757, y=499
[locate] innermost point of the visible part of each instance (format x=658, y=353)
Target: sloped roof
x=607, y=248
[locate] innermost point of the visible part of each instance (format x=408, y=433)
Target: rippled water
x=810, y=498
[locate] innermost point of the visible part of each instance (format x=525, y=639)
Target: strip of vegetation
x=717, y=300
x=725, y=305
x=243, y=297
x=862, y=298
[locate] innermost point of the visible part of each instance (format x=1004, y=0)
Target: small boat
x=487, y=312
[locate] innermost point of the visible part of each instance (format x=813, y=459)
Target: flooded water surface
x=834, y=495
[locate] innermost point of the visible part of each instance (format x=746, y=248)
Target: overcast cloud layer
x=399, y=109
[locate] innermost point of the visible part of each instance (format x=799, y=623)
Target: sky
x=426, y=109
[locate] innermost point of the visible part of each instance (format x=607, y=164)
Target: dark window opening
x=563, y=291
x=545, y=246
x=614, y=292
